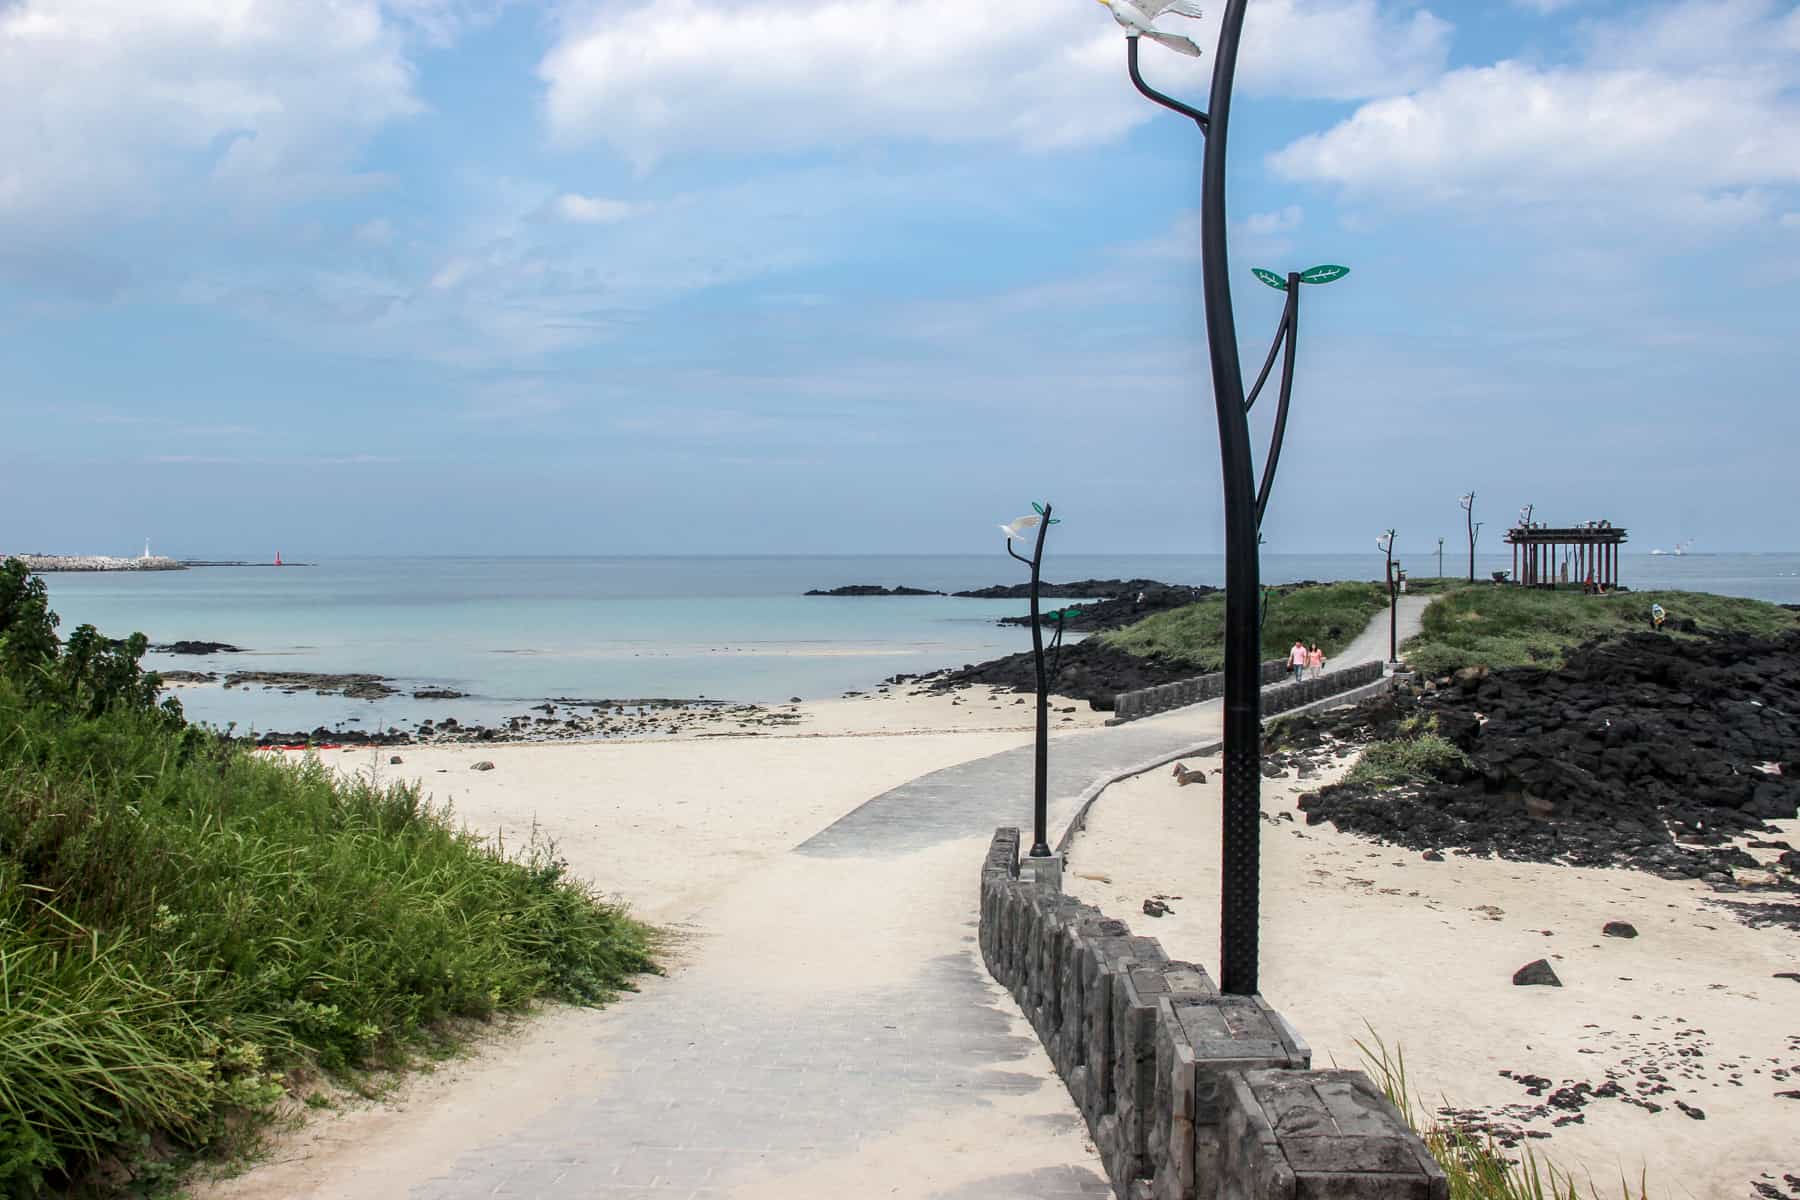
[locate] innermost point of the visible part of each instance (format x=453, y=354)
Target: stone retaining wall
x=1277, y=695
x=1189, y=1094
x=1129, y=706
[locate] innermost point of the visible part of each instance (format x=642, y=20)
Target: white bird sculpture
x=1139, y=19
x=1020, y=527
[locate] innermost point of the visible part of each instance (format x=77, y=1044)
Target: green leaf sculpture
x=1278, y=282
x=1325, y=273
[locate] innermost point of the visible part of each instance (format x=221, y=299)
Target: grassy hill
x=1484, y=625
x=1332, y=614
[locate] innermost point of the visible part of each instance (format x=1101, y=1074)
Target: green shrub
x=185, y=926
x=1416, y=759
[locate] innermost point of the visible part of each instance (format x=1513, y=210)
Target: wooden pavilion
x=1544, y=555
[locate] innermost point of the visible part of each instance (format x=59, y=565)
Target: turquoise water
x=513, y=632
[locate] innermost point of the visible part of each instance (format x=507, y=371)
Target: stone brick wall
x=1129, y=706
x=1189, y=1094
x=1277, y=696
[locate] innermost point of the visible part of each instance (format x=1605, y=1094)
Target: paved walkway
x=1371, y=645
x=835, y=1032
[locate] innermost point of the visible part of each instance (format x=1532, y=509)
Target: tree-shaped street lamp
x=1468, y=504
x=1385, y=543
x=1245, y=500
x=1040, y=520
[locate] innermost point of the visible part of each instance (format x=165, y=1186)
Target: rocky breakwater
x=1662, y=754
x=96, y=562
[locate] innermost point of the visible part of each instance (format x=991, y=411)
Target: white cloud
x=378, y=232
x=1689, y=116
x=1268, y=224
x=108, y=101
x=591, y=210
x=667, y=76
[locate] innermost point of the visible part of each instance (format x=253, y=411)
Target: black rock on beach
x=1648, y=752
x=1087, y=670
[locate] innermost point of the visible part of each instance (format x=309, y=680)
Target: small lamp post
x=1440, y=558
x=1040, y=520
x=1385, y=543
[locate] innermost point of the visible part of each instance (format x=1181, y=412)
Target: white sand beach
x=693, y=833
x=1358, y=937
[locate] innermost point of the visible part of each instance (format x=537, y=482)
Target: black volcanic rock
x=1619, y=929
x=1536, y=974
x=1644, y=752
x=1086, y=670
x=1079, y=589
x=1124, y=610
x=199, y=648
x=872, y=589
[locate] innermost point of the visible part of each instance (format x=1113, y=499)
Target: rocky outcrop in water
x=1123, y=610
x=355, y=686
x=198, y=648
x=873, y=589
x=1079, y=589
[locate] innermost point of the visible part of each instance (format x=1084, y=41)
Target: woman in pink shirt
x=1315, y=660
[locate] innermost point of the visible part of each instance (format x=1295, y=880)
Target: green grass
x=1514, y=627
x=187, y=931
x=1476, y=1168
x=1423, y=756
x=1331, y=614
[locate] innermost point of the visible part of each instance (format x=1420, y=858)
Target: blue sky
x=465, y=276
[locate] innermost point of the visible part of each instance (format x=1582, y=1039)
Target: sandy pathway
x=827, y=1020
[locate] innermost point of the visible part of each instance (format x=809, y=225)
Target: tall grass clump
x=1486, y=626
x=1331, y=614
x=187, y=930
x=1418, y=759
x=1476, y=1167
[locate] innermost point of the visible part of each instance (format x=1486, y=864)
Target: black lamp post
x=1245, y=502
x=1386, y=544
x=1468, y=504
x=1440, y=558
x=1042, y=520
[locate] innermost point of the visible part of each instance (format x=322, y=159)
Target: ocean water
x=513, y=632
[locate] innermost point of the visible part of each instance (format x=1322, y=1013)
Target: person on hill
x=1657, y=617
x=1297, y=660
x=1315, y=661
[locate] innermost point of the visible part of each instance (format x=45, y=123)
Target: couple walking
x=1305, y=663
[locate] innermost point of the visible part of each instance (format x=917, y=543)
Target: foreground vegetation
x=1332, y=614
x=1490, y=626
x=1477, y=1169
x=189, y=933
